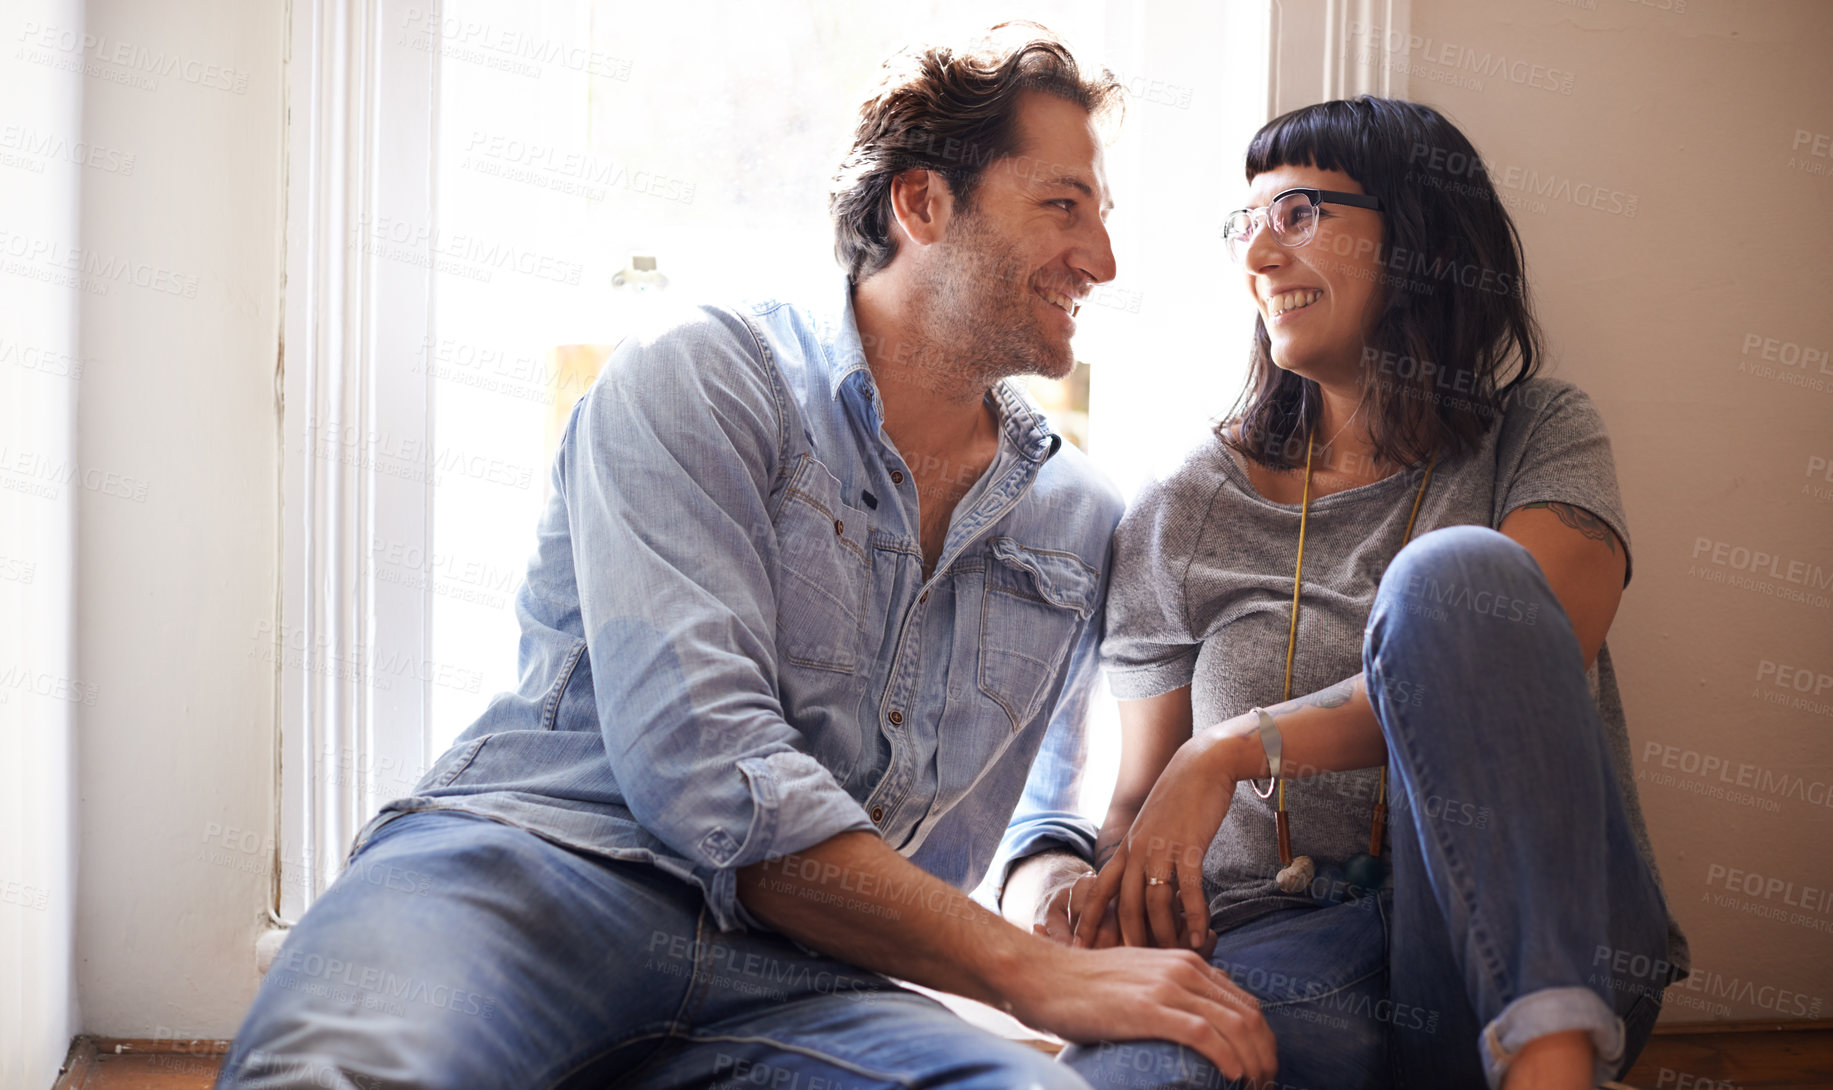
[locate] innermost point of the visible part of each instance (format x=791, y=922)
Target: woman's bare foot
x=1558, y=1061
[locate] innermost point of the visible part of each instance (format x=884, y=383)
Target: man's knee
x=363, y=1056
x=264, y=1069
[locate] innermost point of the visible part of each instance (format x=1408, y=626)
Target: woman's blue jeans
x=1518, y=891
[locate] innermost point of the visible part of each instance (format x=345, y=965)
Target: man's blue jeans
x=458, y=952
x=1517, y=886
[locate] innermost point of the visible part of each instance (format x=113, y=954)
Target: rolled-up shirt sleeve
x=1049, y=814
x=669, y=462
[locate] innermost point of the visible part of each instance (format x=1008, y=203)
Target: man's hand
x=1130, y=994
x=1044, y=892
x=853, y=897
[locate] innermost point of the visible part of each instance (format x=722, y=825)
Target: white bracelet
x=1270, y=740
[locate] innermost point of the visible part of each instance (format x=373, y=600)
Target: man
x=813, y=590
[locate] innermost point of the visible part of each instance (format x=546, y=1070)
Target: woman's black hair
x=1455, y=309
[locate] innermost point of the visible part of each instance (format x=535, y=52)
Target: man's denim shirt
x=729, y=652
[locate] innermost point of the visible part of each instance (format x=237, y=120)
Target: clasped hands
x=1150, y=891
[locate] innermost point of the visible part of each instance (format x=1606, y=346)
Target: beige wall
x=1677, y=206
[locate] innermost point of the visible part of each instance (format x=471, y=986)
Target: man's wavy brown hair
x=953, y=111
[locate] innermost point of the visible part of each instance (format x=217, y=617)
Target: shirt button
x=897, y=476
x=839, y=528
x=896, y=717
x=878, y=815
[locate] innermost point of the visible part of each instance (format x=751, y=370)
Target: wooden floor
x=1745, y=1059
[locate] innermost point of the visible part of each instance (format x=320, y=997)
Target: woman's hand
x=1168, y=841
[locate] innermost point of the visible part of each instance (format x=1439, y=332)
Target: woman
x=1382, y=592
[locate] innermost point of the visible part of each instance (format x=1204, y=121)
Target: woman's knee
x=1458, y=553
x=1464, y=583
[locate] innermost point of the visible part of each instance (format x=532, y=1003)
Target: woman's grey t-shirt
x=1202, y=596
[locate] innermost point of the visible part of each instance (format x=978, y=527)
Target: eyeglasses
x=1293, y=215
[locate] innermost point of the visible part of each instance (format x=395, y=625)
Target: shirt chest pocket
x=1035, y=601
x=826, y=564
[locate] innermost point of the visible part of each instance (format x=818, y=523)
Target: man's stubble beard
x=983, y=325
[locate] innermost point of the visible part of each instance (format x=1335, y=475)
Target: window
x=526, y=181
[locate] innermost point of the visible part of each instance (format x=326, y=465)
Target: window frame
x=362, y=107
x=362, y=124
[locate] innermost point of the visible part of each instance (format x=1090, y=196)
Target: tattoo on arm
x=1104, y=851
x=1333, y=697
x=1581, y=520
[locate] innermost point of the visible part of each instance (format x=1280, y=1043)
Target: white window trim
x=362, y=110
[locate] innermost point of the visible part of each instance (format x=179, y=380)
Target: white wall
x=41, y=693
x=173, y=579
x=1670, y=219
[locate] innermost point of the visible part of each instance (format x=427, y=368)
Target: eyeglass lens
x=1293, y=217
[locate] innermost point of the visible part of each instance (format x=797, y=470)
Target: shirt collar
x=1025, y=425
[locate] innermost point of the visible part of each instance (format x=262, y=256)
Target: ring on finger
x=1151, y=881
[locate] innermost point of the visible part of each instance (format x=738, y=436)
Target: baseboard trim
x=197, y=1055
x=79, y=1064
x=1780, y=1025
x=188, y=1046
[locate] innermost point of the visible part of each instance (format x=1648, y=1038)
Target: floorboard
x=1744, y=1060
